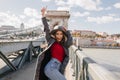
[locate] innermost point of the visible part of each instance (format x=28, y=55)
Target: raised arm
x=46, y=26
x=69, y=41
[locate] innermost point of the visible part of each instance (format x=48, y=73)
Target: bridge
x=18, y=57
x=14, y=54
x=18, y=34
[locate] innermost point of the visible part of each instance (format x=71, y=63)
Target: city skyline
x=94, y=15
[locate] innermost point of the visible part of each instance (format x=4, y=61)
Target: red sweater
x=57, y=51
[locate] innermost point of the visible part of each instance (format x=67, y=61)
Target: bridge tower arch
x=57, y=17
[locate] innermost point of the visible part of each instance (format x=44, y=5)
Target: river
x=108, y=58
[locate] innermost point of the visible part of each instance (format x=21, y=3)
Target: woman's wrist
x=43, y=15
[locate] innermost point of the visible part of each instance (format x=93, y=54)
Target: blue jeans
x=52, y=70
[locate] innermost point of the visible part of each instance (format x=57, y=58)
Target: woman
x=52, y=61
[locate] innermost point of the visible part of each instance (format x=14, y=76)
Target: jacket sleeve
x=69, y=41
x=46, y=28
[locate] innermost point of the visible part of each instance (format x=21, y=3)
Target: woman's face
x=59, y=36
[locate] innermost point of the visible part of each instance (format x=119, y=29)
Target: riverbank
x=101, y=47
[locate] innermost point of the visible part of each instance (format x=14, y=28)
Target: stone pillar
x=60, y=17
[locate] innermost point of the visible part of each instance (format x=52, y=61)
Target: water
x=108, y=58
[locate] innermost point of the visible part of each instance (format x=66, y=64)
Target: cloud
x=33, y=22
x=108, y=8
x=64, y=8
x=112, y=15
x=30, y=18
x=9, y=19
x=60, y=3
x=72, y=21
x=46, y=0
x=92, y=5
x=78, y=14
x=117, y=5
x=31, y=12
x=117, y=19
x=103, y=19
x=22, y=16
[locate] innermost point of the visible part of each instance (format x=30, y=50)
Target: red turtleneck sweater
x=57, y=51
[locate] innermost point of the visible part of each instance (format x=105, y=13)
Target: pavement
x=27, y=72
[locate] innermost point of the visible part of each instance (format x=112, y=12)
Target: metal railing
x=15, y=54
x=87, y=69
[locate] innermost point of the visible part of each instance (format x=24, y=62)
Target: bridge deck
x=27, y=72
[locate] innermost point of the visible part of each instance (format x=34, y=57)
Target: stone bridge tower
x=59, y=17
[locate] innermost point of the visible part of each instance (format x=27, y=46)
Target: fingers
x=43, y=10
x=65, y=28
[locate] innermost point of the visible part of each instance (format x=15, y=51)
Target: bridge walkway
x=27, y=72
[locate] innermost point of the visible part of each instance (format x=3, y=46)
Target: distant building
x=22, y=27
x=118, y=40
x=7, y=27
x=83, y=33
x=115, y=36
x=87, y=33
x=103, y=34
x=105, y=42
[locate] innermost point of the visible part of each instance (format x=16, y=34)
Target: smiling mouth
x=58, y=39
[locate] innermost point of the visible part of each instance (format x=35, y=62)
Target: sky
x=93, y=15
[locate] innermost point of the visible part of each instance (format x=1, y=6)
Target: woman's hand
x=43, y=10
x=65, y=29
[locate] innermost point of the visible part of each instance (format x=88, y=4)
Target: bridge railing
x=14, y=54
x=87, y=69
